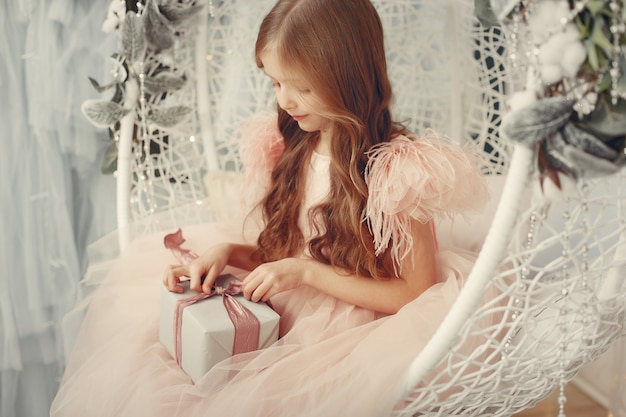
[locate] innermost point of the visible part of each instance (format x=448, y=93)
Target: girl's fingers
x=263, y=292
x=172, y=276
x=256, y=288
x=209, y=279
x=249, y=285
x=195, y=277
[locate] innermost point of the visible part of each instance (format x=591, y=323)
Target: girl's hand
x=205, y=267
x=271, y=278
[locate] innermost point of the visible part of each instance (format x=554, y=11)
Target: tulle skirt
x=333, y=359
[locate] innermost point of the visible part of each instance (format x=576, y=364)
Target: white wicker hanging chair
x=557, y=265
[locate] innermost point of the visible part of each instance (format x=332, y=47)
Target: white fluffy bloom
x=551, y=50
x=573, y=57
x=115, y=16
x=546, y=17
x=551, y=73
x=521, y=99
x=560, y=52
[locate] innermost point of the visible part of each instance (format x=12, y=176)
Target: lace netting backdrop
x=452, y=81
x=554, y=256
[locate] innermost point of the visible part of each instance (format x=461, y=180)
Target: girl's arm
x=385, y=296
x=388, y=296
x=209, y=265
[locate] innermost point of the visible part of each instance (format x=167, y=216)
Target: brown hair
x=338, y=47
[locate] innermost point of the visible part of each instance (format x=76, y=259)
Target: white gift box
x=207, y=332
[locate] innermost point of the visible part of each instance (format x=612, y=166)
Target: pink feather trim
x=418, y=179
x=260, y=146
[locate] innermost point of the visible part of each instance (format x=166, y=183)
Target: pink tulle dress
x=332, y=359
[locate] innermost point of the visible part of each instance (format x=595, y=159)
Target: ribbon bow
x=247, y=326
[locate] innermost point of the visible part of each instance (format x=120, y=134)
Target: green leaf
x=605, y=83
x=169, y=116
x=163, y=82
x=621, y=81
x=103, y=113
x=592, y=55
x=595, y=6
x=109, y=161
x=600, y=39
x=583, y=28
x=608, y=120
x=133, y=42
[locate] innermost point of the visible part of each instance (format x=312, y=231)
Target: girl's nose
x=285, y=98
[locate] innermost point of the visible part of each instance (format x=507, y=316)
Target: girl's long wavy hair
x=338, y=47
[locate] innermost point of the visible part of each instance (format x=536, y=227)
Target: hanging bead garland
x=618, y=29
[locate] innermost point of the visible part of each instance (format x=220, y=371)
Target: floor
x=578, y=405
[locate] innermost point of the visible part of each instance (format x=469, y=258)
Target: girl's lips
x=298, y=118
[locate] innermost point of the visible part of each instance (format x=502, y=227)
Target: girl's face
x=295, y=95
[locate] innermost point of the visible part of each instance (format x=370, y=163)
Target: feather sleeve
x=260, y=147
x=418, y=179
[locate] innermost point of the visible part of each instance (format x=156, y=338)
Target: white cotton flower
x=551, y=73
x=109, y=25
x=551, y=51
x=115, y=16
x=559, y=51
x=574, y=56
x=166, y=59
x=521, y=99
x=546, y=18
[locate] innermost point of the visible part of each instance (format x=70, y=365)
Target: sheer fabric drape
x=54, y=199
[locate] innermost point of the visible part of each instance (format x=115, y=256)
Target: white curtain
x=54, y=199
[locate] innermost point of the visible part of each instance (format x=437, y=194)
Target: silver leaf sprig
x=573, y=107
x=147, y=32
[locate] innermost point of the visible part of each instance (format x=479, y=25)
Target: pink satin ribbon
x=173, y=241
x=247, y=326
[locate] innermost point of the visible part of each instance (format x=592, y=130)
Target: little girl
x=347, y=255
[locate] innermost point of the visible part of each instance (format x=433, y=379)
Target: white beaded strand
x=618, y=28
x=584, y=268
x=564, y=312
x=513, y=40
x=211, y=9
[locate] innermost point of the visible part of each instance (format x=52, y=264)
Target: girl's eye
x=304, y=91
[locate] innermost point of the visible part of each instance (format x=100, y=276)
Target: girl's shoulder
x=426, y=176
x=418, y=178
